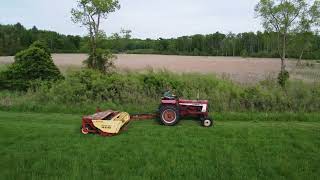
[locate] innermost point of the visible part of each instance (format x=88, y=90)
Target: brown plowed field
x=243, y=70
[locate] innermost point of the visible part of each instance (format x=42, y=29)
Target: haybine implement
x=170, y=112
x=107, y=123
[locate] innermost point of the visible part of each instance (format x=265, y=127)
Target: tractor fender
x=173, y=101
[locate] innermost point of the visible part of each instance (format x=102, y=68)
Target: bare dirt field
x=243, y=70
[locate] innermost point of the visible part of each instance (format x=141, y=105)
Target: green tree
x=126, y=33
x=309, y=19
x=301, y=42
x=283, y=17
x=89, y=13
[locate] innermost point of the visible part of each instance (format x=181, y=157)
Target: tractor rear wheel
x=206, y=122
x=169, y=115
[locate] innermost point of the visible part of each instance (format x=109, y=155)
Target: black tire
x=169, y=115
x=207, y=122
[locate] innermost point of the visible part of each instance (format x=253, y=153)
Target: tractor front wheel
x=169, y=115
x=207, y=122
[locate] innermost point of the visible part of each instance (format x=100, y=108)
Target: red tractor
x=173, y=108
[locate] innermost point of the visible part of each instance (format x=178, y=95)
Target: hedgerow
x=83, y=91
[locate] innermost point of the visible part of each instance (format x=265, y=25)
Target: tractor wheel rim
x=169, y=116
x=85, y=131
x=207, y=123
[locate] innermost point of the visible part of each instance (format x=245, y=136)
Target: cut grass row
x=49, y=146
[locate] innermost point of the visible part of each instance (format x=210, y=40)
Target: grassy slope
x=49, y=146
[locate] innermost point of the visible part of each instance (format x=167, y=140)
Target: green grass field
x=50, y=146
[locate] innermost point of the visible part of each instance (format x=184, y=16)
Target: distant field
x=237, y=68
x=50, y=146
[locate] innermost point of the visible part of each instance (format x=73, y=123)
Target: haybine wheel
x=85, y=130
x=169, y=115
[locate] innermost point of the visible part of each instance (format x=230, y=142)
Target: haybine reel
x=170, y=112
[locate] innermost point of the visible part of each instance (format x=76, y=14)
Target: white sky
x=146, y=18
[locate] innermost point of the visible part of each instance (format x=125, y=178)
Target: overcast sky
x=146, y=18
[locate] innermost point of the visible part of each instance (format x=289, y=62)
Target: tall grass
x=83, y=91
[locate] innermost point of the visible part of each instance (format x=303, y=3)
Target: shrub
x=102, y=60
x=32, y=64
x=283, y=78
x=41, y=45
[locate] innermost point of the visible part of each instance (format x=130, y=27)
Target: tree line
x=14, y=38
x=248, y=44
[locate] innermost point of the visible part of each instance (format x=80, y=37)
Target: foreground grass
x=49, y=146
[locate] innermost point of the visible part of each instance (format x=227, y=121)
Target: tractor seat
x=169, y=97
